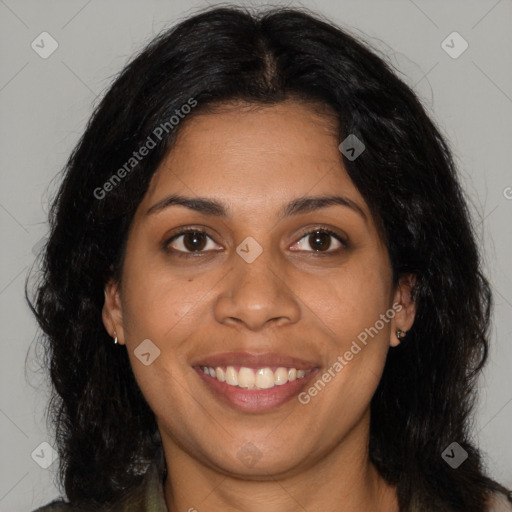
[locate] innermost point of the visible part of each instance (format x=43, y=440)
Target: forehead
x=255, y=155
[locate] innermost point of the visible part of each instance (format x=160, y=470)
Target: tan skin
x=314, y=457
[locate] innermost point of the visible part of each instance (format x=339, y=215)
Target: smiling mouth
x=254, y=382
x=254, y=390
x=255, y=378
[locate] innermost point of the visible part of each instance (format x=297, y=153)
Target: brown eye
x=190, y=241
x=320, y=240
x=194, y=241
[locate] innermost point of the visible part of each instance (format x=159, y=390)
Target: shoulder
x=57, y=506
x=500, y=502
x=132, y=501
x=147, y=497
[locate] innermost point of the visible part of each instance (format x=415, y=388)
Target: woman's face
x=257, y=292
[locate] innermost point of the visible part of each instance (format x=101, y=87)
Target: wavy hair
x=106, y=433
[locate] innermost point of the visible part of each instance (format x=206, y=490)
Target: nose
x=256, y=294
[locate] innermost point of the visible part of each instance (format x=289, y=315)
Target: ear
x=404, y=306
x=112, y=313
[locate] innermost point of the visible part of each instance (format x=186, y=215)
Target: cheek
x=161, y=307
x=350, y=310
x=157, y=301
x=352, y=299
x=352, y=306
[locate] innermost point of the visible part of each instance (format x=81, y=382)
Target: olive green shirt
x=149, y=496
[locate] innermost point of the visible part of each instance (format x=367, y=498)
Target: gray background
x=45, y=104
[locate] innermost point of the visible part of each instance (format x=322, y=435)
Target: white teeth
x=264, y=378
x=231, y=376
x=246, y=378
x=249, y=378
x=281, y=376
x=221, y=376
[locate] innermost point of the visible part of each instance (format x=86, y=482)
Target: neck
x=341, y=481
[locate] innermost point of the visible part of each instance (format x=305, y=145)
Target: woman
x=261, y=290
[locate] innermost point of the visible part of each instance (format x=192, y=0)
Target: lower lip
x=255, y=400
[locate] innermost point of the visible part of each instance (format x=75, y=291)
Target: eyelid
x=184, y=231
x=326, y=229
x=305, y=232
x=343, y=240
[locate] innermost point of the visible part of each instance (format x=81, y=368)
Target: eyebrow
x=215, y=208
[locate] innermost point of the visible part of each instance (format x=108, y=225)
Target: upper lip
x=250, y=360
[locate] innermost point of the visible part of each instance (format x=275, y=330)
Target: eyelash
x=195, y=254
